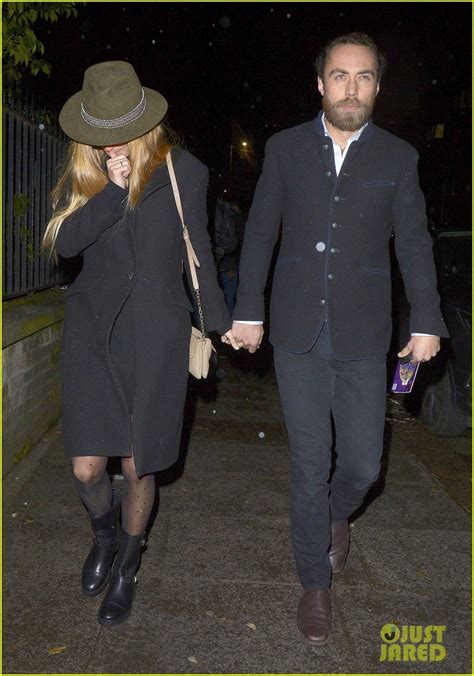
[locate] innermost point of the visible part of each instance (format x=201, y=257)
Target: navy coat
x=133, y=261
x=334, y=257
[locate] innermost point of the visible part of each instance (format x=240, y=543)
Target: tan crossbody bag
x=200, y=346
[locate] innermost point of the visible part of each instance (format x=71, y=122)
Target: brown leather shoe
x=313, y=617
x=339, y=545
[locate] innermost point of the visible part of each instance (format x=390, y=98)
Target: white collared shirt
x=340, y=154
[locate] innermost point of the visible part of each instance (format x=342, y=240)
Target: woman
x=125, y=346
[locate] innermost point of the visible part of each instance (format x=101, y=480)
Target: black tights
x=95, y=490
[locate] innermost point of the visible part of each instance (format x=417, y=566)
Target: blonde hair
x=85, y=175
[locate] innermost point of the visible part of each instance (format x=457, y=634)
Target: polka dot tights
x=95, y=490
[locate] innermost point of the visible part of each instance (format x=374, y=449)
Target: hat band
x=117, y=121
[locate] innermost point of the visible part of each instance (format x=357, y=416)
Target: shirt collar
x=355, y=136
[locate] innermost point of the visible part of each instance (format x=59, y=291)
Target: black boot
x=97, y=566
x=117, y=604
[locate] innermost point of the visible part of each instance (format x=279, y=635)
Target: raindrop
x=245, y=84
x=210, y=44
x=127, y=29
x=434, y=82
x=83, y=37
x=261, y=435
x=224, y=22
x=109, y=47
x=41, y=126
x=153, y=42
x=288, y=16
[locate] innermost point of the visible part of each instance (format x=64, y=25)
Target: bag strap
x=192, y=258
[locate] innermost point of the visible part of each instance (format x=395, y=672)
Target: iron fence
x=31, y=159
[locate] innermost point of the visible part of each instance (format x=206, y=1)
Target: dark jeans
x=313, y=386
x=229, y=286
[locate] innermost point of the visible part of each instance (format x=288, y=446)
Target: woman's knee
x=129, y=471
x=88, y=470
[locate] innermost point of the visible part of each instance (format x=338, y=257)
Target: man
x=339, y=186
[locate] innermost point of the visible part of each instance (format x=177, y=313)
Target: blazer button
x=322, y=302
x=330, y=276
x=131, y=275
x=320, y=247
x=329, y=174
x=325, y=146
x=334, y=225
x=337, y=198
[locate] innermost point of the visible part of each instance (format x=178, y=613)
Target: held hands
x=423, y=348
x=248, y=336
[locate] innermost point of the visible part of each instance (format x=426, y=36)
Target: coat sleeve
x=414, y=251
x=216, y=314
x=261, y=234
x=86, y=225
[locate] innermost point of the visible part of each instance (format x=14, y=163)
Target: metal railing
x=31, y=161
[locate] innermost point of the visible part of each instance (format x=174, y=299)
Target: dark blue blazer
x=334, y=257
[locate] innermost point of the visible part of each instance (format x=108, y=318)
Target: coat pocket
x=82, y=284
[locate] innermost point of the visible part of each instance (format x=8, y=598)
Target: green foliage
x=21, y=49
x=21, y=204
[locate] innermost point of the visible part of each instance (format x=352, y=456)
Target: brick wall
x=31, y=377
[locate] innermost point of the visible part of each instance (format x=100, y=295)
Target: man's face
x=349, y=86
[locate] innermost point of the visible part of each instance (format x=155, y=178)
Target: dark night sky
x=253, y=62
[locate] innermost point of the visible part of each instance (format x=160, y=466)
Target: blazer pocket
x=289, y=259
x=377, y=271
x=179, y=297
x=379, y=183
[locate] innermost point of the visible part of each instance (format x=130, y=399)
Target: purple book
x=405, y=375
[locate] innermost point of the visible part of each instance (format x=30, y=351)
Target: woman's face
x=119, y=149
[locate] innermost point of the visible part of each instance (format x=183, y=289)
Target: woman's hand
x=229, y=339
x=119, y=170
x=118, y=166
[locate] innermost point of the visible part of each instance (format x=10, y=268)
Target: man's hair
x=360, y=39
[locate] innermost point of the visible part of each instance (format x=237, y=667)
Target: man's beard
x=347, y=120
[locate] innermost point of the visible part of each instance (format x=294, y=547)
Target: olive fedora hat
x=112, y=106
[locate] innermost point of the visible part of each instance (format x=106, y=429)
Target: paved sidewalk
x=217, y=589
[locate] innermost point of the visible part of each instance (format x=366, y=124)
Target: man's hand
x=248, y=336
x=423, y=348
